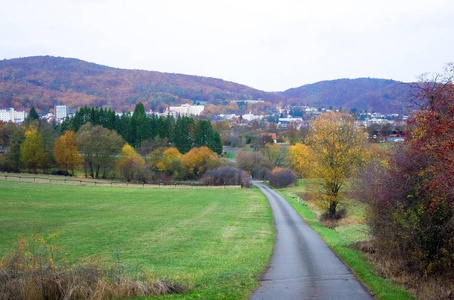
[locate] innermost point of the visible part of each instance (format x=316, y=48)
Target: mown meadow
x=215, y=241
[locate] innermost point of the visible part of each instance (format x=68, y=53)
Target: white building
x=251, y=117
x=60, y=111
x=185, y=110
x=248, y=101
x=283, y=122
x=10, y=114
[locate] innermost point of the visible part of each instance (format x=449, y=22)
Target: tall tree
x=125, y=129
x=33, y=115
x=130, y=163
x=6, y=132
x=32, y=150
x=13, y=161
x=99, y=147
x=182, y=133
x=97, y=116
x=204, y=135
x=66, y=151
x=49, y=133
x=139, y=130
x=216, y=144
x=338, y=147
x=165, y=126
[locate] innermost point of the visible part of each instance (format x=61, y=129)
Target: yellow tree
x=155, y=156
x=66, y=151
x=130, y=162
x=32, y=150
x=199, y=160
x=339, y=149
x=170, y=162
x=300, y=158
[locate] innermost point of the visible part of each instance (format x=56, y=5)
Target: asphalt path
x=302, y=265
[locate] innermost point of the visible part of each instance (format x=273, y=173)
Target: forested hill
x=386, y=96
x=43, y=81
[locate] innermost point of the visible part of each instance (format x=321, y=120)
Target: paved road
x=303, y=266
x=232, y=150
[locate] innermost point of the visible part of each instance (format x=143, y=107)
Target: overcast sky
x=269, y=45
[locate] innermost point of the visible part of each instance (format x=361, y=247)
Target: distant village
x=281, y=119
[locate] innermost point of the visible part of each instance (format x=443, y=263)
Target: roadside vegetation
x=213, y=243
x=410, y=198
x=343, y=236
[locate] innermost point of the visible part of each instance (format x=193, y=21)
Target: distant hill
x=43, y=81
x=386, y=96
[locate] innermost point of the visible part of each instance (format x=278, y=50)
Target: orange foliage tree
x=66, y=151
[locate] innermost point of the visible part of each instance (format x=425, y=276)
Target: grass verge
x=217, y=241
x=342, y=238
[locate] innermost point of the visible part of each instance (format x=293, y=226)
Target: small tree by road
x=338, y=149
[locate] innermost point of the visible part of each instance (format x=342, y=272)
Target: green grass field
x=216, y=241
x=341, y=239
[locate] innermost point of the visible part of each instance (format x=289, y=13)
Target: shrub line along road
x=302, y=265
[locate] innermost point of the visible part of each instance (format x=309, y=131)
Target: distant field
x=216, y=240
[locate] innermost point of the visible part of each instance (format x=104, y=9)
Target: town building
x=60, y=112
x=251, y=117
x=184, y=110
x=248, y=101
x=12, y=115
x=283, y=122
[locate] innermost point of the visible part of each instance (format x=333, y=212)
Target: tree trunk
x=332, y=209
x=92, y=174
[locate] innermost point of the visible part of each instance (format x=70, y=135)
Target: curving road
x=302, y=265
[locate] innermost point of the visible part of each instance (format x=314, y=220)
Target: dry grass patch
x=430, y=288
x=38, y=271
